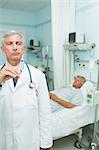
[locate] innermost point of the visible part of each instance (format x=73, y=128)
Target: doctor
x=24, y=105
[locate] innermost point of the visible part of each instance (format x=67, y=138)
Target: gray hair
x=10, y=33
x=82, y=78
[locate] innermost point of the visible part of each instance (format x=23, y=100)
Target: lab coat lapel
x=10, y=83
x=23, y=78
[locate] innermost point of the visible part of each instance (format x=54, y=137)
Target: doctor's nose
x=14, y=46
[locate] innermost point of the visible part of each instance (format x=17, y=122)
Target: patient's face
x=78, y=82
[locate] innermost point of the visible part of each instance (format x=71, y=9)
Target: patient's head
x=79, y=81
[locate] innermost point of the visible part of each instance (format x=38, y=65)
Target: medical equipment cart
x=94, y=141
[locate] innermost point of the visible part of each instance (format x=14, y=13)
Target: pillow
x=86, y=87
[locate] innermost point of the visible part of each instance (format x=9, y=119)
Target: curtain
x=63, y=22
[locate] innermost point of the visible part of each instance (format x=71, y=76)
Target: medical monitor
x=76, y=37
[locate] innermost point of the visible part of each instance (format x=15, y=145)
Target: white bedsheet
x=65, y=121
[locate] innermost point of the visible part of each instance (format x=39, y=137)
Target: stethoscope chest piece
x=32, y=85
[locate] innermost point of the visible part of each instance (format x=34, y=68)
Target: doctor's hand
x=9, y=72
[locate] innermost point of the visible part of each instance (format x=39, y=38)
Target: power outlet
x=82, y=65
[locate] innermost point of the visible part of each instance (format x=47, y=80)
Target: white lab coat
x=24, y=113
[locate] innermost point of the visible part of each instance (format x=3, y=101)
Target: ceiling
x=24, y=5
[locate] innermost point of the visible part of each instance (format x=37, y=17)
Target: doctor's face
x=13, y=47
x=78, y=82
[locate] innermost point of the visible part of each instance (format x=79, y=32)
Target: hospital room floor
x=67, y=143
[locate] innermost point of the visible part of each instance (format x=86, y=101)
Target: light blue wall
x=43, y=15
x=44, y=32
x=14, y=17
x=18, y=20
x=87, y=21
x=43, y=26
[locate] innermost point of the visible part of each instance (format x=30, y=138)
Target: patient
x=68, y=96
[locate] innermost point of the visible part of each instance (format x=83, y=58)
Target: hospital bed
x=71, y=121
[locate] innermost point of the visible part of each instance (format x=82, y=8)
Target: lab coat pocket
x=32, y=108
x=32, y=99
x=25, y=99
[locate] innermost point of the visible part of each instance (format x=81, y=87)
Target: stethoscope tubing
x=31, y=84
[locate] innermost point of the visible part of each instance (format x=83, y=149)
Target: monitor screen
x=72, y=37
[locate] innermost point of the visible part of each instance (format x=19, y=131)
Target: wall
x=87, y=21
x=43, y=30
x=43, y=33
x=17, y=20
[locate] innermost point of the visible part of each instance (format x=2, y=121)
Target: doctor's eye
x=19, y=43
x=8, y=43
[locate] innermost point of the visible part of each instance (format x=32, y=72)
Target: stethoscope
x=31, y=84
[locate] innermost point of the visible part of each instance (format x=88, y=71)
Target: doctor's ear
x=1, y=48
